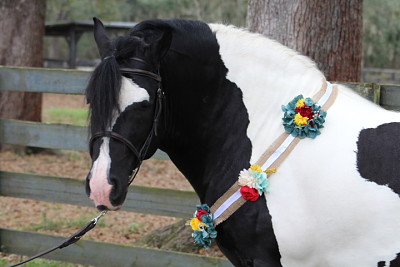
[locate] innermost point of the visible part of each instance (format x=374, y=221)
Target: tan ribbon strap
x=236, y=201
x=276, y=153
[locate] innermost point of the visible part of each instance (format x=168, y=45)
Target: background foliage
x=381, y=47
x=381, y=33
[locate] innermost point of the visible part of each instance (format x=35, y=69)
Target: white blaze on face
x=100, y=187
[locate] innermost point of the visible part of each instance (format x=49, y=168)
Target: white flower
x=246, y=178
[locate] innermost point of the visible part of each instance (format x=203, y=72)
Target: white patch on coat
x=131, y=93
x=265, y=71
x=323, y=212
x=100, y=188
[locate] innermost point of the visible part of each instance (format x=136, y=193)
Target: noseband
x=139, y=154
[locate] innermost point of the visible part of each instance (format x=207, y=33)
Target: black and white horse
x=334, y=200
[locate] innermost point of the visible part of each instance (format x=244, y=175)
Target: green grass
x=136, y=228
x=74, y=116
x=50, y=224
x=46, y=224
x=39, y=263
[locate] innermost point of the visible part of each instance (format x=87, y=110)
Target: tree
x=329, y=32
x=21, y=44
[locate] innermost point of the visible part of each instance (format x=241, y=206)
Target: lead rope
x=69, y=241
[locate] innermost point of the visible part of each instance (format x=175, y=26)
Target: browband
x=142, y=73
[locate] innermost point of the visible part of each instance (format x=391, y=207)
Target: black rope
x=69, y=241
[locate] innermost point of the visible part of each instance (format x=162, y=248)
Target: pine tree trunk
x=329, y=32
x=21, y=44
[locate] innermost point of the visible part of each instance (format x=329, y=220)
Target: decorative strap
x=232, y=200
x=227, y=204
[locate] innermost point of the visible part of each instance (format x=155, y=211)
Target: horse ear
x=101, y=38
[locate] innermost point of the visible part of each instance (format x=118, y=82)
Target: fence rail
x=100, y=253
x=389, y=76
x=61, y=81
x=34, y=134
x=148, y=200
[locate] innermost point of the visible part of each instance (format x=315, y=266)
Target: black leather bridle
x=139, y=153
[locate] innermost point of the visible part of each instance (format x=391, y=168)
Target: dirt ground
x=60, y=219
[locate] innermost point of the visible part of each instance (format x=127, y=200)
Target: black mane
x=103, y=89
x=104, y=85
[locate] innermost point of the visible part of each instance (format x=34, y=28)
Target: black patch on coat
x=396, y=261
x=393, y=263
x=378, y=156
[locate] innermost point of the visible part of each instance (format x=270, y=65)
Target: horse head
x=126, y=105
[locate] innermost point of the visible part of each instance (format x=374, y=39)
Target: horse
x=211, y=96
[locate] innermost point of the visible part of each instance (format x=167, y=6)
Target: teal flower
x=262, y=182
x=203, y=226
x=303, y=118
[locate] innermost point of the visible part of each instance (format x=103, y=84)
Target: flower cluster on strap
x=254, y=182
x=203, y=226
x=303, y=117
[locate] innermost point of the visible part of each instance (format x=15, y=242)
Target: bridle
x=160, y=98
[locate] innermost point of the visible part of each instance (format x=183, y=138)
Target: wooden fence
x=141, y=199
x=147, y=200
x=387, y=76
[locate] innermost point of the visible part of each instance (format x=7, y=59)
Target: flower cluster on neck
x=303, y=117
x=254, y=182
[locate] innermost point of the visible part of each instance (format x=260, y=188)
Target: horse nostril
x=118, y=192
x=102, y=207
x=117, y=184
x=87, y=186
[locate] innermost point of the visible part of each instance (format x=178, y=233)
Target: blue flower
x=206, y=232
x=262, y=182
x=314, y=124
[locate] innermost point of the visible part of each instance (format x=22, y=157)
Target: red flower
x=305, y=111
x=249, y=193
x=199, y=213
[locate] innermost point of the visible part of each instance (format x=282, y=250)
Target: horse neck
x=207, y=126
x=217, y=129
x=270, y=75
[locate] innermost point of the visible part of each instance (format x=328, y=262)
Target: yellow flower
x=270, y=171
x=300, y=120
x=196, y=224
x=300, y=103
x=255, y=168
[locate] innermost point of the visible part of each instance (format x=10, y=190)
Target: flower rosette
x=254, y=182
x=203, y=226
x=303, y=117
